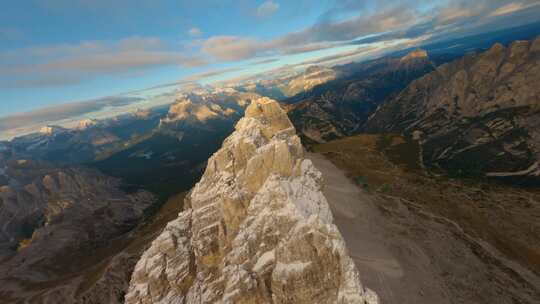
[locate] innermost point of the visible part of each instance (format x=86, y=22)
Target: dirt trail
x=408, y=255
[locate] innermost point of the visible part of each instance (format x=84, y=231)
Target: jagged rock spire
x=256, y=228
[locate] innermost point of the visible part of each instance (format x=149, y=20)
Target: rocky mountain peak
x=49, y=130
x=496, y=48
x=416, y=54
x=204, y=107
x=255, y=229
x=85, y=124
x=194, y=109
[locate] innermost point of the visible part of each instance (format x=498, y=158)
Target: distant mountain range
x=89, y=141
x=479, y=115
x=290, y=82
x=340, y=107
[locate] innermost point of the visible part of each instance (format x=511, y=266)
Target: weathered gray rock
x=257, y=229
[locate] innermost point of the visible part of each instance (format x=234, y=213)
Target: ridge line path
x=399, y=271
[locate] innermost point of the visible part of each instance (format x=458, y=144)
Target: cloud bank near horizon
x=72, y=63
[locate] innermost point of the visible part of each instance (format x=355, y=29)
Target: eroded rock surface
x=256, y=228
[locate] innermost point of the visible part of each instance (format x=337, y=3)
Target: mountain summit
x=255, y=229
x=416, y=54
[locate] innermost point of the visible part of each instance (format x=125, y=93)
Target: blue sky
x=58, y=51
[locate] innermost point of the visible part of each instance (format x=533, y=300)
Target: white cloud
x=72, y=63
x=195, y=32
x=231, y=48
x=507, y=9
x=267, y=9
x=317, y=37
x=63, y=111
x=68, y=64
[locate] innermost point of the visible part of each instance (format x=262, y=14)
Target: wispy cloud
x=232, y=48
x=317, y=37
x=63, y=111
x=389, y=19
x=267, y=8
x=513, y=7
x=343, y=22
x=265, y=61
x=195, y=32
x=192, y=79
x=73, y=63
x=339, y=56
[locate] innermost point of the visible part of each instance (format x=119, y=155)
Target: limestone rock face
x=256, y=228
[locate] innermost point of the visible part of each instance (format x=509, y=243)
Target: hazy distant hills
x=479, y=115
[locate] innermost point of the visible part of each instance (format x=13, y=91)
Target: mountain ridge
x=478, y=113
x=339, y=108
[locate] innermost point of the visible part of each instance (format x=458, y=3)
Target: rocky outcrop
x=256, y=229
x=86, y=123
x=478, y=115
x=49, y=130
